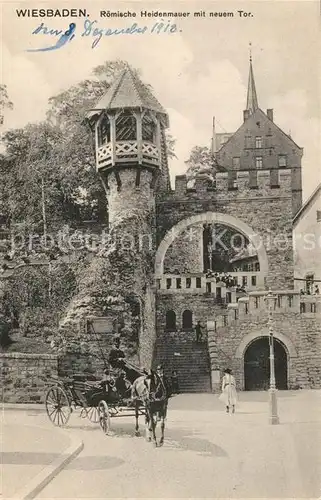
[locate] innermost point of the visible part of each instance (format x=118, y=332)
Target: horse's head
x=157, y=390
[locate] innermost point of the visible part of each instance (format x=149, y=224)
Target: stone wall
x=185, y=254
x=201, y=306
x=299, y=333
x=25, y=377
x=260, y=208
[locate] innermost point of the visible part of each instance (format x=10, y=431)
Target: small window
x=188, y=282
x=259, y=162
x=209, y=287
x=282, y=161
x=168, y=283
x=170, y=320
x=148, y=129
x=246, y=308
x=318, y=215
x=126, y=127
x=236, y=162
x=256, y=302
x=258, y=142
x=198, y=283
x=302, y=307
x=104, y=132
x=187, y=320
x=290, y=300
x=178, y=283
x=253, y=280
x=244, y=280
x=257, y=266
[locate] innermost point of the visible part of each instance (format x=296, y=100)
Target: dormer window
x=282, y=161
x=148, y=129
x=259, y=162
x=104, y=131
x=126, y=127
x=258, y=142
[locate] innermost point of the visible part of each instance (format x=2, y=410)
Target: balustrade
x=171, y=283
x=126, y=151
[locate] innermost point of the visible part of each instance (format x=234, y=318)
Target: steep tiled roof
x=128, y=91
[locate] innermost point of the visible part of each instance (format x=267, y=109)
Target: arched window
x=104, y=131
x=126, y=127
x=187, y=320
x=148, y=129
x=170, y=320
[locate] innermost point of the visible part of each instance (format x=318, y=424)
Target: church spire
x=251, y=101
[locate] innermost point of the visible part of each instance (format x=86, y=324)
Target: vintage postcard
x=160, y=262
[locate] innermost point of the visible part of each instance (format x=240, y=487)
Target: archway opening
x=257, y=365
x=187, y=320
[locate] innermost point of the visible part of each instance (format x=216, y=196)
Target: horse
x=150, y=391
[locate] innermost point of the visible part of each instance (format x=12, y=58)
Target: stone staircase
x=179, y=351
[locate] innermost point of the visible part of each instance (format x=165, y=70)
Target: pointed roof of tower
x=128, y=91
x=251, y=101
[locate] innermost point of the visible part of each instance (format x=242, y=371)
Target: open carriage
x=96, y=400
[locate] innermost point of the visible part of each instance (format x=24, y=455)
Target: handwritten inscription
x=96, y=33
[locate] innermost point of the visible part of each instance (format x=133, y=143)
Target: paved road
x=207, y=453
x=28, y=445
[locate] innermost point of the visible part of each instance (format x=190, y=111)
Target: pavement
x=33, y=451
x=207, y=453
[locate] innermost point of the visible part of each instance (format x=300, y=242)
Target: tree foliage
x=5, y=102
x=50, y=166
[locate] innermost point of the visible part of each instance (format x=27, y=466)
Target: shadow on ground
x=27, y=458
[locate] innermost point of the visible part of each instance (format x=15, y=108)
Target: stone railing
x=191, y=283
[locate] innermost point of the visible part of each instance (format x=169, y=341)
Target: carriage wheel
x=57, y=406
x=104, y=416
x=93, y=414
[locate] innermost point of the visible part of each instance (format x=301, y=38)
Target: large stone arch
x=219, y=218
x=250, y=337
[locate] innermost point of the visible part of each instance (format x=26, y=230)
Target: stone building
x=204, y=254
x=255, y=195
x=307, y=244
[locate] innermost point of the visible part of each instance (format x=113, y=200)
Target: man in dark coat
x=127, y=372
x=116, y=356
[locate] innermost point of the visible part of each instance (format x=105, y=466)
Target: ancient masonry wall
x=125, y=202
x=26, y=377
x=185, y=254
x=266, y=206
x=299, y=332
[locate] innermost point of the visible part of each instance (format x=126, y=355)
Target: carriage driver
x=127, y=372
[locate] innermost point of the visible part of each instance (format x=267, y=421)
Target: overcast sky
x=196, y=73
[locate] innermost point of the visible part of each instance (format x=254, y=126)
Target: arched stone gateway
x=211, y=217
x=254, y=352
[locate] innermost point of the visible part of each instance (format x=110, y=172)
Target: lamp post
x=273, y=407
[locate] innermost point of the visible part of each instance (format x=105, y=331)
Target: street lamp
x=273, y=407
